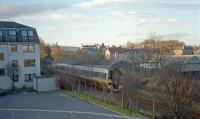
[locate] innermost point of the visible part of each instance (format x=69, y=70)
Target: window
x=2, y=71
x=1, y=56
x=28, y=48
x=12, y=32
x=14, y=48
x=24, y=33
x=29, y=77
x=30, y=33
x=29, y=62
x=15, y=63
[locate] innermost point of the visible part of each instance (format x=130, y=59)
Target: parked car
x=2, y=92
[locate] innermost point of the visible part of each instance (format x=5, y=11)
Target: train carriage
x=94, y=73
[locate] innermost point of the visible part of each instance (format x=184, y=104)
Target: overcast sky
x=113, y=22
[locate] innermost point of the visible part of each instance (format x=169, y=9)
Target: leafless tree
x=130, y=85
x=13, y=72
x=176, y=91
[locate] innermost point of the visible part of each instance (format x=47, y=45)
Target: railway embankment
x=105, y=105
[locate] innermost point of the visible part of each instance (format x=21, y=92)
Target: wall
x=20, y=55
x=45, y=83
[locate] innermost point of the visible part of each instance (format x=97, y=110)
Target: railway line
x=111, y=78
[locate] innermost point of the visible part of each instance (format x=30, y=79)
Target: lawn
x=104, y=104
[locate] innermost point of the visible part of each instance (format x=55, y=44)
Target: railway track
x=145, y=102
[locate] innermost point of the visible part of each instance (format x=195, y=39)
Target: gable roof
x=194, y=60
x=192, y=65
x=117, y=49
x=120, y=64
x=10, y=24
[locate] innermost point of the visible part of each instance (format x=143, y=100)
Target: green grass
x=104, y=104
x=20, y=90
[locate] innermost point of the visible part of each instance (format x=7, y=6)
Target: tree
x=13, y=72
x=130, y=85
x=56, y=53
x=43, y=50
x=176, y=91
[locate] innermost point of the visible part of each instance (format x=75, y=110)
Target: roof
x=120, y=64
x=192, y=65
x=194, y=60
x=10, y=24
x=117, y=49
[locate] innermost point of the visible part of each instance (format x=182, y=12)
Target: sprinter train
x=110, y=76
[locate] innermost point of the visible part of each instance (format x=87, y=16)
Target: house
x=177, y=49
x=20, y=47
x=116, y=53
x=188, y=50
x=196, y=50
x=192, y=67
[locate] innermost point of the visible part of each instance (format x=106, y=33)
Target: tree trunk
x=153, y=108
x=79, y=85
x=137, y=105
x=94, y=90
x=91, y=89
x=130, y=105
x=13, y=82
x=85, y=86
x=122, y=98
x=72, y=84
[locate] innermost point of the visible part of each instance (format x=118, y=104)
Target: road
x=49, y=101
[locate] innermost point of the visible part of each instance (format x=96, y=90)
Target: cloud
x=173, y=36
x=11, y=11
x=182, y=5
x=128, y=34
x=93, y=3
x=130, y=14
x=53, y=17
x=84, y=25
x=143, y=22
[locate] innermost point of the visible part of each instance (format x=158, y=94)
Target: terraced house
x=19, y=46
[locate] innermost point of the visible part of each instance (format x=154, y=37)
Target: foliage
x=176, y=91
x=56, y=53
x=48, y=52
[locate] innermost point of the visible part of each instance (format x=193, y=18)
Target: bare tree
x=176, y=91
x=13, y=72
x=130, y=85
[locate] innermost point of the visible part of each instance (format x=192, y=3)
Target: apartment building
x=19, y=46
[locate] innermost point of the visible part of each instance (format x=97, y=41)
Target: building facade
x=19, y=46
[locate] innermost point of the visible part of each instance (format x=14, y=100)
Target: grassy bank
x=20, y=90
x=104, y=104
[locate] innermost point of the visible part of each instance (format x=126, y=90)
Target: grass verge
x=104, y=104
x=20, y=90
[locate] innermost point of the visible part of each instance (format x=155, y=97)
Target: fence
x=54, y=114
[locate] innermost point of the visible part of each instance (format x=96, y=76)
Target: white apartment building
x=19, y=45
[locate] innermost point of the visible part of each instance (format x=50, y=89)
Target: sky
x=112, y=22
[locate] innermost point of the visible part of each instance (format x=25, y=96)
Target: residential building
x=196, y=50
x=116, y=53
x=19, y=46
x=188, y=50
x=192, y=67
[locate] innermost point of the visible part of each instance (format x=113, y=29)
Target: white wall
x=45, y=83
x=20, y=55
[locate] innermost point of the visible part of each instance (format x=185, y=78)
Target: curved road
x=49, y=101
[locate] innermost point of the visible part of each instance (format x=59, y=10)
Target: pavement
x=54, y=105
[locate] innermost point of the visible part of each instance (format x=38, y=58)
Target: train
x=96, y=74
